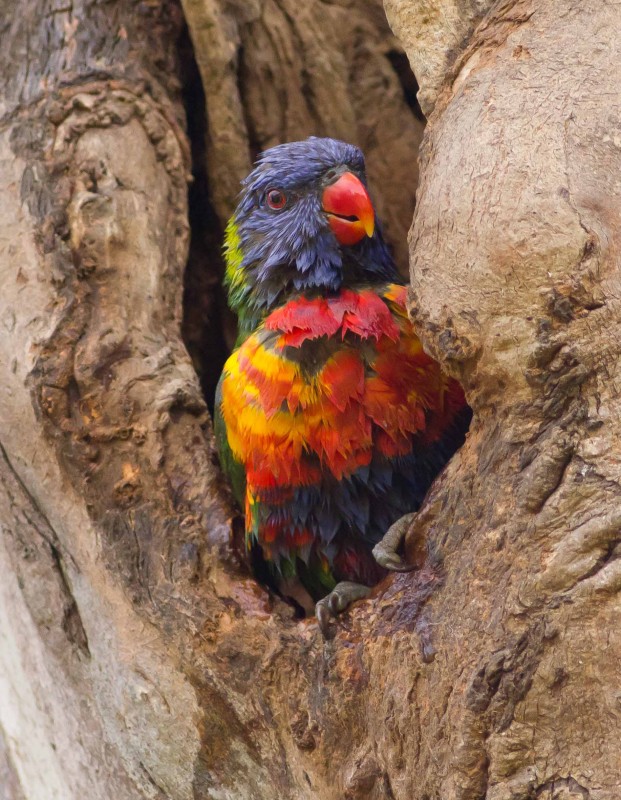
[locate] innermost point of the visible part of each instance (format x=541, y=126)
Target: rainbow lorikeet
x=330, y=418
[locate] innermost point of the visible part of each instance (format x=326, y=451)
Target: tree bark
x=138, y=658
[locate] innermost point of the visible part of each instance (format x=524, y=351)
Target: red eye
x=276, y=199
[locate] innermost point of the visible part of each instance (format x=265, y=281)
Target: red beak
x=349, y=209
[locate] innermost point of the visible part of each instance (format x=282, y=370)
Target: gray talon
x=385, y=551
x=339, y=600
x=324, y=615
x=333, y=603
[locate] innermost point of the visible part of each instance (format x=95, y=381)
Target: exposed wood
x=434, y=34
x=9, y=781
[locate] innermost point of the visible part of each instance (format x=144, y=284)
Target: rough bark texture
x=528, y=530
x=137, y=657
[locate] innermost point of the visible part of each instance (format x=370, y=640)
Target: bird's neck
x=254, y=292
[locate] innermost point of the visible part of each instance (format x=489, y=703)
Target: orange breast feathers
x=325, y=383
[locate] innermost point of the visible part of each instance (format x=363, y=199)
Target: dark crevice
x=39, y=524
x=244, y=78
x=208, y=327
x=407, y=79
x=562, y=787
x=72, y=621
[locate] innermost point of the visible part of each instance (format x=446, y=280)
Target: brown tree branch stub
x=434, y=33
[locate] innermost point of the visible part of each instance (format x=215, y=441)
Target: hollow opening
x=209, y=327
x=401, y=65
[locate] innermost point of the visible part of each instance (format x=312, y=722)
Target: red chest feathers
x=325, y=384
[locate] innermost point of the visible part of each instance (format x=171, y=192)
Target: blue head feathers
x=304, y=224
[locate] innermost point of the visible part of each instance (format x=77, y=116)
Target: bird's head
x=304, y=224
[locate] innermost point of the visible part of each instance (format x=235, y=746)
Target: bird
x=331, y=420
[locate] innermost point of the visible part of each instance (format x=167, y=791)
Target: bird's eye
x=276, y=199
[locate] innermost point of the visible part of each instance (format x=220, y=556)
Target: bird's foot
x=385, y=551
x=340, y=598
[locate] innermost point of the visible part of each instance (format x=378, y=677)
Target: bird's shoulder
x=351, y=336
x=353, y=328
x=367, y=313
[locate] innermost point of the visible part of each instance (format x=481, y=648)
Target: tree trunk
x=138, y=658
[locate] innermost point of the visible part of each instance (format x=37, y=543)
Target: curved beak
x=348, y=207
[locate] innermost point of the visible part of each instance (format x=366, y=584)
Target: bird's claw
x=390, y=560
x=385, y=551
x=339, y=600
